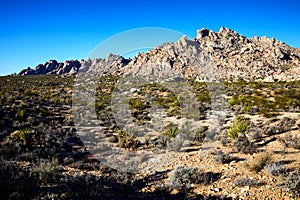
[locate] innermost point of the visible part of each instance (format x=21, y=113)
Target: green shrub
x=173, y=111
x=21, y=115
x=127, y=140
x=204, y=96
x=268, y=112
x=69, y=120
x=46, y=170
x=171, y=130
x=233, y=101
x=24, y=137
x=239, y=126
x=137, y=106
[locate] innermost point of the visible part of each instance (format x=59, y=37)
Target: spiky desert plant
x=240, y=125
x=25, y=137
x=171, y=131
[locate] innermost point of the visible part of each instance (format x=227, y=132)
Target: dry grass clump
x=259, y=162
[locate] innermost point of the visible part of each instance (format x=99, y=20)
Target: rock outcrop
x=223, y=54
x=54, y=67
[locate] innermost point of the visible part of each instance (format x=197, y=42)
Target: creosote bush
x=223, y=158
x=15, y=182
x=199, y=134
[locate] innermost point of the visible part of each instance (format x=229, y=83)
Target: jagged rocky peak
x=202, y=33
x=226, y=53
x=53, y=67
x=227, y=31
x=111, y=64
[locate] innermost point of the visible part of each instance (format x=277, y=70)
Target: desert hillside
x=214, y=117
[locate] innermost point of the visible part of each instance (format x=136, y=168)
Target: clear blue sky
x=34, y=31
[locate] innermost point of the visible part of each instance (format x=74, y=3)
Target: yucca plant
x=239, y=126
x=24, y=137
x=171, y=131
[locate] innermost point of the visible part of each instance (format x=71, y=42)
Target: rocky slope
x=224, y=54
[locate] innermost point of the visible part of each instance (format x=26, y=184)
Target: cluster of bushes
x=251, y=98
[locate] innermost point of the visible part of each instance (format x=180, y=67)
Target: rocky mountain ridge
x=223, y=54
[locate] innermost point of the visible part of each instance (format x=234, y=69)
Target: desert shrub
x=239, y=126
x=268, y=112
x=207, y=177
x=224, y=141
x=173, y=111
x=291, y=141
x=292, y=183
x=199, y=134
x=21, y=115
x=182, y=177
x=236, y=129
x=136, y=104
x=84, y=187
x=163, y=140
x=247, y=181
x=28, y=93
x=276, y=168
x=24, y=137
x=46, y=170
x=102, y=100
x=259, y=162
x=69, y=120
x=233, y=101
x=171, y=130
x=222, y=157
x=15, y=183
x=284, y=125
x=127, y=140
x=204, y=96
x=243, y=145
x=257, y=134
x=27, y=156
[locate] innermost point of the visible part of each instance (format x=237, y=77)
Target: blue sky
x=32, y=32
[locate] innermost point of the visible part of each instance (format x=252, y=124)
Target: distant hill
x=231, y=56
